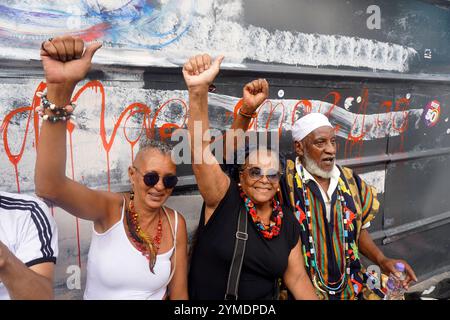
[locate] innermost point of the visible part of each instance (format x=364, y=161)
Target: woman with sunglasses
x=139, y=247
x=273, y=248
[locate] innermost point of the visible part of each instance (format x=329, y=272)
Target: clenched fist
x=254, y=94
x=200, y=71
x=64, y=61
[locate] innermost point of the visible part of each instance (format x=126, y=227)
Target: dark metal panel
x=423, y=134
x=416, y=189
x=422, y=25
x=428, y=252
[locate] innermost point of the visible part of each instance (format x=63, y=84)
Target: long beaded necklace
x=148, y=246
x=268, y=231
x=331, y=288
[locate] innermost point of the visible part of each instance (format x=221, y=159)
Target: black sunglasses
x=151, y=179
x=257, y=173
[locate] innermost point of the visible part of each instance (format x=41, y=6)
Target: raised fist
x=254, y=94
x=199, y=72
x=64, y=61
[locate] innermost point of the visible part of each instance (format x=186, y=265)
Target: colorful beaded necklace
x=145, y=244
x=268, y=231
x=331, y=288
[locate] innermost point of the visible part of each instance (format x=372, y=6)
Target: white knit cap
x=307, y=124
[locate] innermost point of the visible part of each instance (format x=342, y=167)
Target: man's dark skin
x=320, y=145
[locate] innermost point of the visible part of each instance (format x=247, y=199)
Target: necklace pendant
x=331, y=292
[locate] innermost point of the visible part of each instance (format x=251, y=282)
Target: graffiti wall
x=136, y=89
x=112, y=120
x=355, y=34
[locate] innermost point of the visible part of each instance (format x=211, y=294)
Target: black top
x=265, y=260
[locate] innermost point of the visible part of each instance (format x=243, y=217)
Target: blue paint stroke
x=120, y=26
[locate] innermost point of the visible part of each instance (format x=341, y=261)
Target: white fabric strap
x=174, y=235
x=123, y=208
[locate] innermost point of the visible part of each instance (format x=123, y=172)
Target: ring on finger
x=43, y=42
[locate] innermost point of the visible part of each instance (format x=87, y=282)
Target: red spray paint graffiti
x=358, y=139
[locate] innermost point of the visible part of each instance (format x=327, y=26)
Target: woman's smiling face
x=260, y=178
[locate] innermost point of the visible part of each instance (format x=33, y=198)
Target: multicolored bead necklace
x=331, y=288
x=268, y=231
x=145, y=244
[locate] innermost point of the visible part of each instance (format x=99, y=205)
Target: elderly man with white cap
x=334, y=207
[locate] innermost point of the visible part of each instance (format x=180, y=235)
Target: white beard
x=314, y=169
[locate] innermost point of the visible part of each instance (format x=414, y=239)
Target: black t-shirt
x=265, y=260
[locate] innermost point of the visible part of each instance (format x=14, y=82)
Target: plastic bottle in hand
x=395, y=290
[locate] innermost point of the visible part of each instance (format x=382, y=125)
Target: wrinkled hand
x=254, y=94
x=63, y=60
x=388, y=266
x=200, y=72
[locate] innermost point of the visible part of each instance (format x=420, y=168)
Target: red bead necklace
x=147, y=245
x=268, y=231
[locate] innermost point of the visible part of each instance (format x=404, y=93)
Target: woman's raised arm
x=65, y=64
x=199, y=73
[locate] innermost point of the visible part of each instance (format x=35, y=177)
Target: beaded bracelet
x=247, y=115
x=59, y=113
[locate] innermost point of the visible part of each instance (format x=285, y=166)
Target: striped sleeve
x=37, y=234
x=369, y=202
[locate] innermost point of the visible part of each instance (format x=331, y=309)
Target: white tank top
x=117, y=270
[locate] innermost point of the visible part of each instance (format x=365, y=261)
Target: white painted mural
x=166, y=32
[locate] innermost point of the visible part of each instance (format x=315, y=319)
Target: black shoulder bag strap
x=238, y=257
